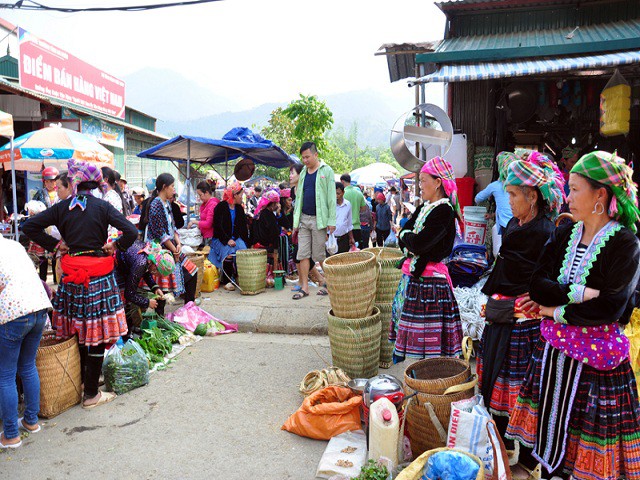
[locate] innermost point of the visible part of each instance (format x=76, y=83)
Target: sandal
x=23, y=426
x=322, y=292
x=105, y=397
x=300, y=294
x=9, y=445
x=520, y=472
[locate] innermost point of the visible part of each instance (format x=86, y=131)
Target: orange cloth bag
x=326, y=413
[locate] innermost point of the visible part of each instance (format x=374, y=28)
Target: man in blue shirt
x=503, y=209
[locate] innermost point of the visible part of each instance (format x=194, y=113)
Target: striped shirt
x=581, y=249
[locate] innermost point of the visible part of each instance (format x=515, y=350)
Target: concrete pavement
x=216, y=414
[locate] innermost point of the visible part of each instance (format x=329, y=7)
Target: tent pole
x=226, y=167
x=188, y=180
x=14, y=188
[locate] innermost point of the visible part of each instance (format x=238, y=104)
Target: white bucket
x=475, y=225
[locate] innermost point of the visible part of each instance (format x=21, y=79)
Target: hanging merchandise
x=553, y=95
x=615, y=106
x=577, y=93
x=566, y=94
x=542, y=93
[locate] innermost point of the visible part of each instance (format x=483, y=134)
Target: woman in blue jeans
x=23, y=313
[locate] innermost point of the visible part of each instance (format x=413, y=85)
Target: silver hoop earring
x=596, y=210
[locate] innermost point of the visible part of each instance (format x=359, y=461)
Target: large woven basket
x=386, y=347
x=390, y=275
x=58, y=364
x=416, y=469
x=439, y=382
x=435, y=375
x=355, y=344
x=351, y=283
x=198, y=260
x=252, y=271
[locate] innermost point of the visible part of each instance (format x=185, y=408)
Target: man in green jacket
x=314, y=215
x=358, y=204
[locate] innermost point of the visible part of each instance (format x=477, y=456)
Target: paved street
x=216, y=414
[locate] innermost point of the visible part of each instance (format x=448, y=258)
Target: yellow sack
x=210, y=279
x=632, y=331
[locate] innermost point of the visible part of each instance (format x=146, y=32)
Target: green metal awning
x=606, y=37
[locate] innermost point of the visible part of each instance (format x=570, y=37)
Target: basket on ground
x=439, y=382
x=351, y=283
x=198, y=260
x=252, y=271
x=355, y=344
x=415, y=470
x=390, y=275
x=58, y=364
x=386, y=347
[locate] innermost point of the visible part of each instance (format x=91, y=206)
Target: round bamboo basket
x=198, y=260
x=415, y=470
x=390, y=275
x=386, y=348
x=436, y=375
x=351, y=283
x=355, y=344
x=428, y=415
x=58, y=364
x=252, y=271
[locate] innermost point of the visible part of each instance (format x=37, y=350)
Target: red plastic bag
x=326, y=413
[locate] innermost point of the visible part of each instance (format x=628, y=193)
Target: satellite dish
x=436, y=136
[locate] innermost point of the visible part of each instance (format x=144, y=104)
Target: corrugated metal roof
x=453, y=5
x=15, y=88
x=563, y=41
x=401, y=57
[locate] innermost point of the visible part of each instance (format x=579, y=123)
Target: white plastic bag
x=348, y=449
x=373, y=237
x=332, y=244
x=391, y=240
x=191, y=237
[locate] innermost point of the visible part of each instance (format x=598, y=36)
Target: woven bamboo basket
x=435, y=375
x=415, y=470
x=390, y=275
x=58, y=364
x=386, y=348
x=351, y=283
x=428, y=415
x=198, y=259
x=252, y=271
x=355, y=344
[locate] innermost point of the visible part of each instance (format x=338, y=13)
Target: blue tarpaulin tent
x=237, y=143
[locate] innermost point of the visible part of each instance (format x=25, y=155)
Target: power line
x=33, y=5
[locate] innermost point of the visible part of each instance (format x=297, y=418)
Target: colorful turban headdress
x=569, y=151
x=79, y=172
x=539, y=172
x=267, y=198
x=162, y=259
x=440, y=168
x=612, y=171
x=380, y=197
x=286, y=193
x=504, y=159
x=230, y=191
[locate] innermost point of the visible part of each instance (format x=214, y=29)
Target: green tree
x=311, y=119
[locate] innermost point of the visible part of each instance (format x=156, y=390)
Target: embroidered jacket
x=610, y=265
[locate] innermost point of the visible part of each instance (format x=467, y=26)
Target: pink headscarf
x=269, y=197
x=230, y=191
x=286, y=193
x=438, y=167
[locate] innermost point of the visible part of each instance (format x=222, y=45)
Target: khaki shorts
x=311, y=241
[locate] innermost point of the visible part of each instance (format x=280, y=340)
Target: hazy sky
x=254, y=51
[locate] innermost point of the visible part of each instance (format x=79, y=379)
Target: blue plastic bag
x=450, y=465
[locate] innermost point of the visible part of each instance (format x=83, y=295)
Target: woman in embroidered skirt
x=426, y=319
x=162, y=230
x=87, y=302
x=513, y=319
x=578, y=406
x=230, y=231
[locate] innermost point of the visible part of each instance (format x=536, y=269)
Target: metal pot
x=383, y=386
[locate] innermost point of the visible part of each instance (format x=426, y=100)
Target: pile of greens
x=155, y=344
x=173, y=331
x=372, y=471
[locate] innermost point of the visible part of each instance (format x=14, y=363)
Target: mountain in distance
x=164, y=94
x=186, y=110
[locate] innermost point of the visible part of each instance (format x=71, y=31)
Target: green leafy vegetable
x=372, y=471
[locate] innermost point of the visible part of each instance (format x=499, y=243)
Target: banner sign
x=51, y=71
x=103, y=132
